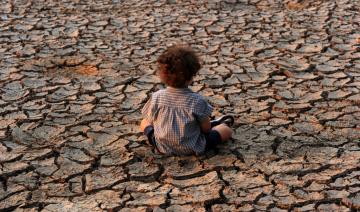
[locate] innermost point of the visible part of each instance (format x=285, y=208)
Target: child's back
x=176, y=114
x=177, y=120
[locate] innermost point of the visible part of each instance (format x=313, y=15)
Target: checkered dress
x=176, y=114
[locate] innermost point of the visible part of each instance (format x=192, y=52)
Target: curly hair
x=178, y=65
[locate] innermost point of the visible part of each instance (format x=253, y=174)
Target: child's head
x=177, y=66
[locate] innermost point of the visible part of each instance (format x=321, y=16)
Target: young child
x=176, y=119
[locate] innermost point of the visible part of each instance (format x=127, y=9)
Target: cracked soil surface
x=74, y=75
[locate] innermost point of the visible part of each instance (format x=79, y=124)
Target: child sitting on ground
x=176, y=119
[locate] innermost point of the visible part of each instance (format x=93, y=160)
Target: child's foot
x=227, y=119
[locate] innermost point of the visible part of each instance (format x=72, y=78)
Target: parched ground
x=74, y=75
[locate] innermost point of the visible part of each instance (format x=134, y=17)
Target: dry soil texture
x=74, y=75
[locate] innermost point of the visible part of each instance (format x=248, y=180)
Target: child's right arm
x=202, y=113
x=205, y=125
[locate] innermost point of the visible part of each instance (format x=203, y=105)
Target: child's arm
x=202, y=113
x=205, y=125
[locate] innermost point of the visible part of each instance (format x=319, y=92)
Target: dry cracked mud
x=74, y=74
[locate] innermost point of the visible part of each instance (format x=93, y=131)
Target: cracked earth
x=74, y=75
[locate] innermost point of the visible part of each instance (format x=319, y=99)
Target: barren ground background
x=75, y=74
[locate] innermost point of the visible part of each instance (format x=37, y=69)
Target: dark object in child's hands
x=227, y=119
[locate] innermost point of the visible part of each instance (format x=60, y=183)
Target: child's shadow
x=253, y=149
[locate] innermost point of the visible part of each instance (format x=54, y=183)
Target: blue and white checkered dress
x=176, y=114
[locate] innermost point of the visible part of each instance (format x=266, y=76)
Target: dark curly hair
x=177, y=65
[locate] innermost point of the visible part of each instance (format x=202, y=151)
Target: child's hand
x=205, y=125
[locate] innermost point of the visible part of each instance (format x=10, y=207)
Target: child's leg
x=148, y=131
x=217, y=135
x=144, y=123
x=224, y=131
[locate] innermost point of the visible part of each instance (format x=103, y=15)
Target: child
x=177, y=120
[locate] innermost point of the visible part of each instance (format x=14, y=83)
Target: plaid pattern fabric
x=176, y=114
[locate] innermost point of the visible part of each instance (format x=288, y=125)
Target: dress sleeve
x=148, y=111
x=203, y=110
